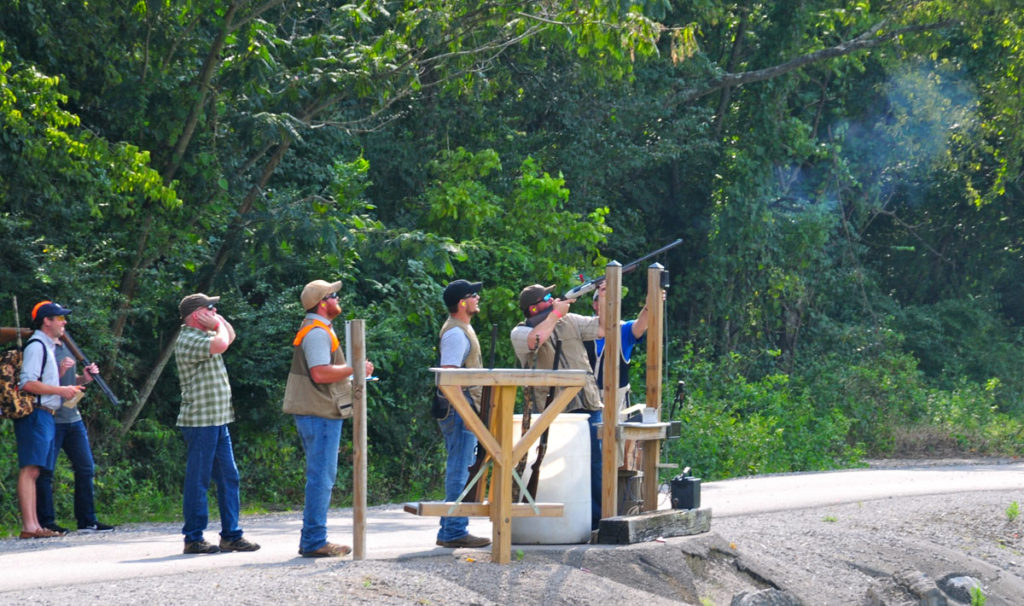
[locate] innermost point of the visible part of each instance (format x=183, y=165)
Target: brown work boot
x=467, y=540
x=200, y=547
x=329, y=550
x=239, y=544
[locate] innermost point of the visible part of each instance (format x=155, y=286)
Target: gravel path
x=859, y=553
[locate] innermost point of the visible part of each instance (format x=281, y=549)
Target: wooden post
x=610, y=315
x=357, y=339
x=655, y=349
x=501, y=515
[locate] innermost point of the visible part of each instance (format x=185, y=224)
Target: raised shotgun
x=589, y=286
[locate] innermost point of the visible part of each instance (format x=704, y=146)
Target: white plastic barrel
x=564, y=478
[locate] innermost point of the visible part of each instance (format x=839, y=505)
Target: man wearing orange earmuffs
x=549, y=329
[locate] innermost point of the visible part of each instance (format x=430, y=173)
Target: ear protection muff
x=539, y=307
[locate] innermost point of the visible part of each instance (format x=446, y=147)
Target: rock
x=958, y=586
x=765, y=597
x=921, y=587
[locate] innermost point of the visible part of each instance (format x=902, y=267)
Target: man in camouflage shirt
x=203, y=419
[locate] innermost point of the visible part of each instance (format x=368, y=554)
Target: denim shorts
x=35, y=438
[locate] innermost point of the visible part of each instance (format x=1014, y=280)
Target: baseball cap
x=316, y=290
x=48, y=309
x=531, y=295
x=458, y=289
x=193, y=302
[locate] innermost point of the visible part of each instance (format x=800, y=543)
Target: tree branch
x=869, y=39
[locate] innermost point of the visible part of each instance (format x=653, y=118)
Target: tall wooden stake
x=655, y=350
x=358, y=362
x=610, y=315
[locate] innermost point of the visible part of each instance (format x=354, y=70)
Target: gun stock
x=99, y=380
x=8, y=333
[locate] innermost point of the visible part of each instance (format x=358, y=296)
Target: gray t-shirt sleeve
x=454, y=347
x=317, y=347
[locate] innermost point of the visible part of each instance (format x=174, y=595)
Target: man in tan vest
x=549, y=329
x=459, y=349
x=319, y=395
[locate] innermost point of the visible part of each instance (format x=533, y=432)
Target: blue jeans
x=74, y=439
x=320, y=440
x=594, y=418
x=461, y=446
x=210, y=456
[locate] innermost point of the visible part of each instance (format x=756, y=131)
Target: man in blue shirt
x=632, y=332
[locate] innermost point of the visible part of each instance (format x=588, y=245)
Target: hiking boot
x=200, y=547
x=57, y=528
x=329, y=550
x=467, y=540
x=96, y=527
x=239, y=544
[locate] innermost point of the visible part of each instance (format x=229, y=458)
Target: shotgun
x=542, y=445
x=85, y=361
x=591, y=285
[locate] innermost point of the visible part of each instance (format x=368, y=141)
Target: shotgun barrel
x=590, y=285
x=99, y=380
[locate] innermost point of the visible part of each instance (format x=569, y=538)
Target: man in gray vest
x=459, y=349
x=319, y=396
x=71, y=436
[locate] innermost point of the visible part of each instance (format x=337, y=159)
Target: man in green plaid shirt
x=204, y=416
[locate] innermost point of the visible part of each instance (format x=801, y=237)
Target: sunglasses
x=547, y=297
x=333, y=295
x=59, y=318
x=474, y=295
x=211, y=306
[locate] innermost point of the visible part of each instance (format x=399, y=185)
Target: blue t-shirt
x=628, y=340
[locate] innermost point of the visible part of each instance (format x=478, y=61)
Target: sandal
x=42, y=533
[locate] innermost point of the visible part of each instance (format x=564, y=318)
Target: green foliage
x=955, y=339
x=732, y=426
x=1012, y=511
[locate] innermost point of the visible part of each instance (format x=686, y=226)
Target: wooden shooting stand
x=650, y=522
x=501, y=444
x=648, y=436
